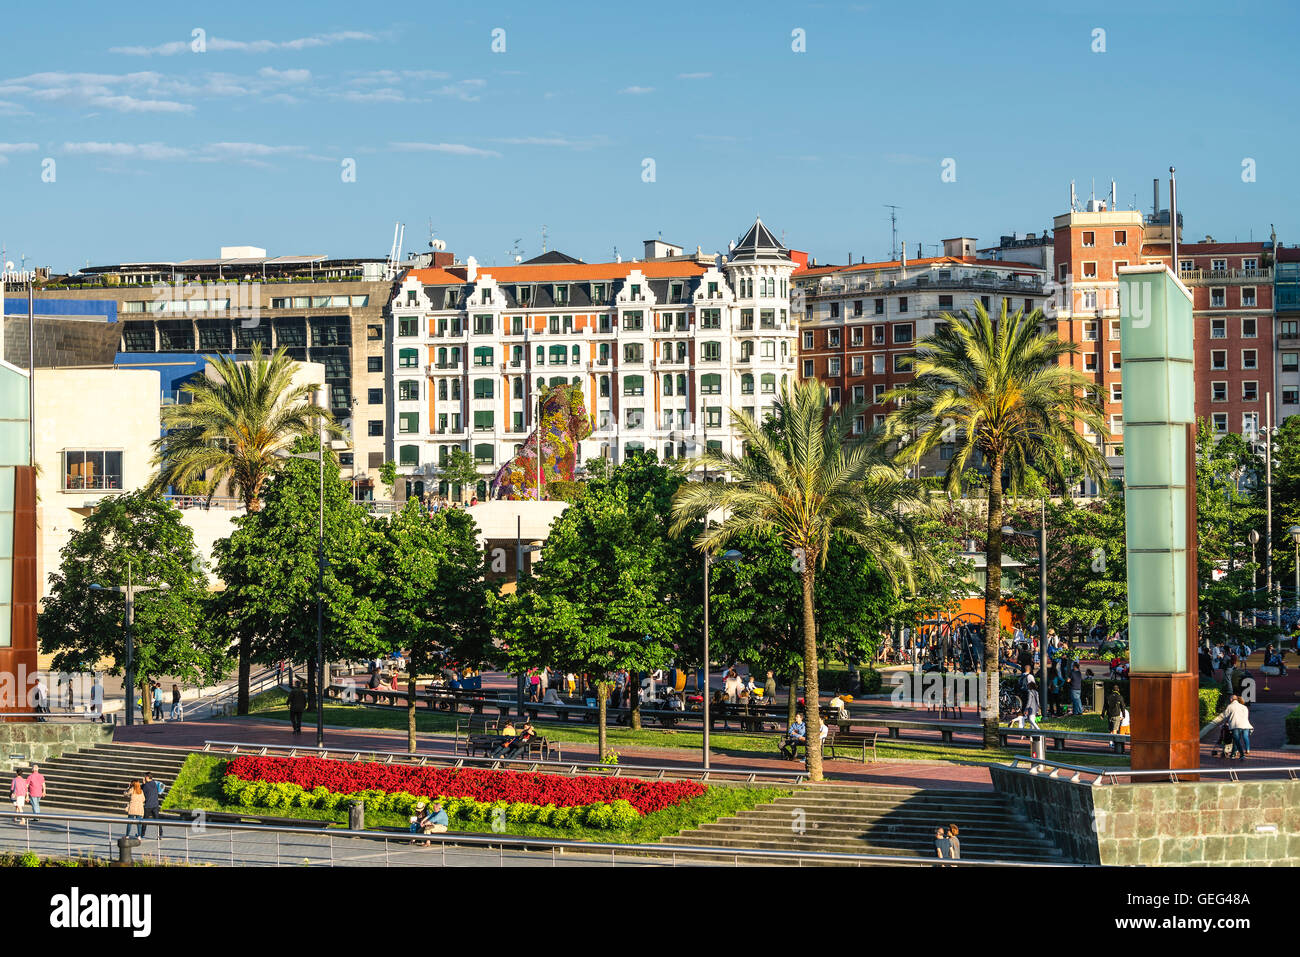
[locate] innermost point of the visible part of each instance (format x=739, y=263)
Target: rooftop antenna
x=395, y=253
x=543, y=237
x=893, y=229
x=431, y=245
x=1074, y=202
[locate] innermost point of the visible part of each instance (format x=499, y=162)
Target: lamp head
x=1294, y=532
x=1253, y=537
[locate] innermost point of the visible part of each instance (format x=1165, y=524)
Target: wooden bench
x=1118, y=742
x=483, y=744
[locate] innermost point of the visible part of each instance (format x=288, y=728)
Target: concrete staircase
x=890, y=821
x=93, y=780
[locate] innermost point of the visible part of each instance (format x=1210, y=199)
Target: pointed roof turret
x=758, y=243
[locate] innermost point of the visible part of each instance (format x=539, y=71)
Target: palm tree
x=998, y=389
x=812, y=482
x=231, y=431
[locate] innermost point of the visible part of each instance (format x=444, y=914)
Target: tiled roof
x=932, y=261
x=567, y=272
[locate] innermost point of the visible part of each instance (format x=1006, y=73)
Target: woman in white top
x=1237, y=717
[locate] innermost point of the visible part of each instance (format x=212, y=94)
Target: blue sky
x=164, y=153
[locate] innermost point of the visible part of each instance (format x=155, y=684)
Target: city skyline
x=161, y=152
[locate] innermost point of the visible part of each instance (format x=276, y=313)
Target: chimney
x=1155, y=198
x=471, y=269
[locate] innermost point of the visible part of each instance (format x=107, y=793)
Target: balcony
x=1226, y=275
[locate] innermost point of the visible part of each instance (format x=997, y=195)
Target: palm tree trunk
x=602, y=706
x=992, y=605
x=811, y=694
x=410, y=710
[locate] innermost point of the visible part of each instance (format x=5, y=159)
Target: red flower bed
x=348, y=777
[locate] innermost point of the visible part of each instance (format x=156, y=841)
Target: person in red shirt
x=35, y=788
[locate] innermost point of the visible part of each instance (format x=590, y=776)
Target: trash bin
x=357, y=816
x=1098, y=697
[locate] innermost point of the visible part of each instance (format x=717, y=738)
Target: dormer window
x=598, y=293
x=561, y=293
x=675, y=292
x=487, y=296
x=635, y=294
x=524, y=295
x=453, y=298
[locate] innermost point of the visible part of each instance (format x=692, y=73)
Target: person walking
x=134, y=808
x=41, y=699
x=97, y=698
x=1237, y=717
x=157, y=702
x=35, y=788
x=18, y=794
x=1031, y=705
x=152, y=800
x=297, y=705
x=1115, y=709
x=954, y=842
x=178, y=712
x=1076, y=689
x=942, y=844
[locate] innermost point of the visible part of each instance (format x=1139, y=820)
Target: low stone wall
x=1209, y=822
x=21, y=743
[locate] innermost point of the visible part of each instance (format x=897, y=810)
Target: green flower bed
x=201, y=783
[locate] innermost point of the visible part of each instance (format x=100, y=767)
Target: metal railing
x=1102, y=776
x=59, y=717
x=204, y=841
x=223, y=700
x=590, y=765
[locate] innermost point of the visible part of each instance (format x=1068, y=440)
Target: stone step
x=885, y=848
x=852, y=828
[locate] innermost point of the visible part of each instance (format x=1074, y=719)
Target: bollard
x=124, y=845
x=357, y=816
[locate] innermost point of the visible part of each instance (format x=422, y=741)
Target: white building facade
x=663, y=349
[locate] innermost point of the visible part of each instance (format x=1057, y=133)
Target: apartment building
x=1232, y=295
x=1286, y=331
x=326, y=311
x=663, y=347
x=860, y=323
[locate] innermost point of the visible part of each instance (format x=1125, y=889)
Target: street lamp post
x=1294, y=532
x=1253, y=538
x=129, y=591
x=733, y=556
x=520, y=550
x=1041, y=535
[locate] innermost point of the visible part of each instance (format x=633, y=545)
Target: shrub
x=1293, y=727
x=872, y=681
x=1211, y=702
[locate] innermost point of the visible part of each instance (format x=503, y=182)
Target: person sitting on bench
x=508, y=731
x=795, y=735
x=509, y=747
x=551, y=697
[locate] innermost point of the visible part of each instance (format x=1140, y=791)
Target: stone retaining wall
x=1210, y=822
x=41, y=740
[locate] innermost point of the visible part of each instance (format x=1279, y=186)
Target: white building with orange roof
x=663, y=347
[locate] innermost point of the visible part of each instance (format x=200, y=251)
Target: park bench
x=483, y=743
x=228, y=817
x=1118, y=742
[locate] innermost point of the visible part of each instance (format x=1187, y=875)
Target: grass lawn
x=1082, y=722
x=272, y=705
x=198, y=786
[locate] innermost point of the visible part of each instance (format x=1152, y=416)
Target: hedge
x=1293, y=727
x=1212, y=701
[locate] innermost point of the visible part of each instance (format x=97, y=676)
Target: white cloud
x=694, y=76
x=284, y=76
x=130, y=104
x=637, y=90
x=564, y=142
x=455, y=149
x=7, y=148
x=389, y=77
x=145, y=151
x=219, y=45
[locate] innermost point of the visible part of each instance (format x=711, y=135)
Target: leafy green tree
x=1000, y=393
x=459, y=469
x=388, y=476
x=269, y=565
x=613, y=589
x=815, y=483
x=170, y=637
x=430, y=593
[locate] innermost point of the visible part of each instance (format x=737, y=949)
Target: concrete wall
x=1208, y=823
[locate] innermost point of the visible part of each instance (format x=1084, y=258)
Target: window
x=1090, y=362
x=92, y=469
x=1218, y=392
x=713, y=417
x=1248, y=328
x=633, y=352
x=1089, y=238
x=1248, y=297
x=808, y=340
x=877, y=335
x=1218, y=298
x=408, y=455
x=1289, y=328
x=1220, y=423
x=1090, y=331
x=376, y=397
x=768, y=383
x=903, y=332
x=832, y=338
x=1117, y=425
x=1249, y=264
x=835, y=395
x=877, y=393
x=1121, y=237
x=374, y=363
x=1290, y=395
x=857, y=307
x=633, y=385
x=857, y=335
x=903, y=362
x=711, y=351
x=877, y=365
x=1218, y=359
x=1114, y=361
x=1089, y=270
x=635, y=418
x=408, y=358
x=711, y=384
x=856, y=364
x=408, y=422
x=408, y=390
x=1115, y=266
x=483, y=356
x=902, y=304
x=1249, y=359
x=747, y=384
x=833, y=367
x=1089, y=298
x=483, y=325
x=1112, y=331
x=375, y=427
x=633, y=321
x=484, y=388
x=1250, y=423
x=710, y=319
x=408, y=326
x=808, y=371
x=835, y=310
x=945, y=303
x=483, y=420
x=484, y=453
x=1218, y=265
x=1291, y=362
x=1218, y=328
x=1117, y=392
x=1250, y=391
